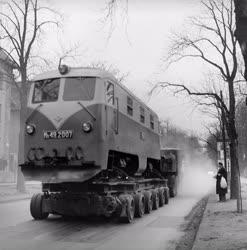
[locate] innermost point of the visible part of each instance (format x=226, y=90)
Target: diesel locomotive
x=94, y=146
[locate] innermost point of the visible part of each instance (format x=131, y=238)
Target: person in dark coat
x=222, y=173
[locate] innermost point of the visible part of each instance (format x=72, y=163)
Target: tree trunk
x=234, y=170
x=232, y=133
x=23, y=103
x=235, y=185
x=20, y=178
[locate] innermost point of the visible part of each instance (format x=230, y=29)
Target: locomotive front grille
x=67, y=155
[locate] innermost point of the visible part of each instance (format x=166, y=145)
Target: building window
x=110, y=93
x=151, y=122
x=129, y=106
x=142, y=115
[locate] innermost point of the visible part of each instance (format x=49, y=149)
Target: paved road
x=154, y=231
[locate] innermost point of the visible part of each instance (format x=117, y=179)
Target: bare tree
x=113, y=9
x=21, y=25
x=213, y=136
x=174, y=137
x=215, y=45
x=110, y=68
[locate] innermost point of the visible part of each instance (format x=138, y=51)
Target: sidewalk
x=222, y=228
x=8, y=192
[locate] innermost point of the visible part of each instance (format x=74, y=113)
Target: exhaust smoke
x=197, y=177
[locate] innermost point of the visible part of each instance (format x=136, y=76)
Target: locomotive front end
x=63, y=129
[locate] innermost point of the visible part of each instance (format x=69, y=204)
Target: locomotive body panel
x=128, y=134
x=92, y=145
x=133, y=139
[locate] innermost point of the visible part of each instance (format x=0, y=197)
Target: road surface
x=154, y=231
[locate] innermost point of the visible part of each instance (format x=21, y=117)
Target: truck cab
x=170, y=167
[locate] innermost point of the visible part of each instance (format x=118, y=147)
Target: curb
x=192, y=224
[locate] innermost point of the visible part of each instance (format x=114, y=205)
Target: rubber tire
x=139, y=205
x=130, y=210
x=166, y=194
x=173, y=189
x=148, y=202
x=161, y=197
x=36, y=207
x=155, y=198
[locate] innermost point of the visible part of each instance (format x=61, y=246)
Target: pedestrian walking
x=221, y=182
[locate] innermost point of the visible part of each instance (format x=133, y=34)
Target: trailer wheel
x=173, y=190
x=161, y=197
x=139, y=205
x=155, y=198
x=148, y=202
x=36, y=207
x=166, y=193
x=129, y=209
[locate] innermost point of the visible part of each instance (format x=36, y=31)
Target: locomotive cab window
x=129, y=106
x=142, y=115
x=79, y=88
x=110, y=93
x=151, y=122
x=46, y=90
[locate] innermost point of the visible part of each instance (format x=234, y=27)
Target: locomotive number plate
x=58, y=134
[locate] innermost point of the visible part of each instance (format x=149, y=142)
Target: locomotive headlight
x=30, y=129
x=69, y=153
x=40, y=153
x=78, y=153
x=63, y=69
x=87, y=127
x=31, y=154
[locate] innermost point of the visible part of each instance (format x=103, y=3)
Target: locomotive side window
x=110, y=93
x=151, y=122
x=46, y=90
x=129, y=106
x=142, y=115
x=79, y=88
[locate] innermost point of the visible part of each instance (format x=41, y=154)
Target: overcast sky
x=136, y=46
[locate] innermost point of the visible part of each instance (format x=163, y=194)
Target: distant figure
x=219, y=190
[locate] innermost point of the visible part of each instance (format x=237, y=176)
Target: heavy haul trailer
x=170, y=167
x=94, y=146
x=123, y=199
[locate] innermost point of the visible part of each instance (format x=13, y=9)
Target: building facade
x=8, y=121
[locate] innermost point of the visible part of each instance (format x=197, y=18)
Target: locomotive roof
x=73, y=72
x=90, y=72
